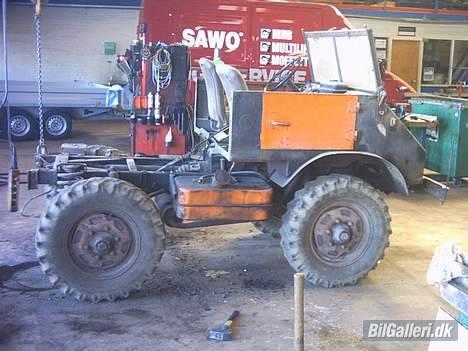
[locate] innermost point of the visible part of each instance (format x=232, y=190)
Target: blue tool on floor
x=223, y=332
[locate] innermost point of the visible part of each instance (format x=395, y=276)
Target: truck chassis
x=314, y=161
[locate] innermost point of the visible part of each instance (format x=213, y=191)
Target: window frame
x=450, y=63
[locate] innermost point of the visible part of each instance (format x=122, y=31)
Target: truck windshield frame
x=346, y=56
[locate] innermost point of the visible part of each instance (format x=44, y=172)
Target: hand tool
x=223, y=332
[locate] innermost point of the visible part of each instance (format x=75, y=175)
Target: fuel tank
x=249, y=198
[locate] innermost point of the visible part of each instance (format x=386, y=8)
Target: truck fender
x=399, y=184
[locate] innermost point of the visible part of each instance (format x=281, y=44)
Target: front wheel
x=99, y=238
x=335, y=230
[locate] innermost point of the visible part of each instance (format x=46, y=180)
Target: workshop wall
x=389, y=27
x=429, y=36
x=72, y=40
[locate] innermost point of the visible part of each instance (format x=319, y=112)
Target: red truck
x=256, y=36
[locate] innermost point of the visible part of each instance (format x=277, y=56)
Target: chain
x=41, y=148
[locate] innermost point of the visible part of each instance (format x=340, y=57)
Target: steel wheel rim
x=341, y=234
x=102, y=243
x=56, y=124
x=19, y=125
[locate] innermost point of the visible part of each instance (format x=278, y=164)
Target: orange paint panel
x=299, y=121
x=249, y=199
x=228, y=213
x=224, y=197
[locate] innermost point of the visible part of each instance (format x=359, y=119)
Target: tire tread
x=64, y=198
x=296, y=214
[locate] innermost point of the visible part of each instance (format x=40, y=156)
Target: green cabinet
x=447, y=145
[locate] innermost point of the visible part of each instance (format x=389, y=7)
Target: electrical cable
x=162, y=69
x=197, y=145
x=31, y=200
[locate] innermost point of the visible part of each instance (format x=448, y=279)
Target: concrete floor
x=207, y=273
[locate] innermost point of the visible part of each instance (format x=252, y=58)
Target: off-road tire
x=117, y=199
x=271, y=227
x=311, y=202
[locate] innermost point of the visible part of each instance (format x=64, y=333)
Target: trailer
x=62, y=101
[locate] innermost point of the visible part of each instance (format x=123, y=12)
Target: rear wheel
x=100, y=238
x=23, y=125
x=335, y=230
x=57, y=124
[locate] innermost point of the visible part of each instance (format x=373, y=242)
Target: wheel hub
x=19, y=125
x=101, y=241
x=102, y=244
x=55, y=125
x=337, y=233
x=341, y=233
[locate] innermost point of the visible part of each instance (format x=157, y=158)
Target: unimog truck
x=317, y=160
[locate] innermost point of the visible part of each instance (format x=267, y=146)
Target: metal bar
x=451, y=57
x=299, y=312
x=436, y=189
x=338, y=63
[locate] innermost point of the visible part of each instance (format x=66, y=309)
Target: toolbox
x=249, y=198
x=447, y=144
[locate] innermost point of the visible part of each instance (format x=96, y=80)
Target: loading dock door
x=405, y=60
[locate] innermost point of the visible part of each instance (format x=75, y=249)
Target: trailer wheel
x=271, y=226
x=57, y=124
x=23, y=125
x=100, y=239
x=335, y=230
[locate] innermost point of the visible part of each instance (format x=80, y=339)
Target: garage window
x=436, y=62
x=460, y=61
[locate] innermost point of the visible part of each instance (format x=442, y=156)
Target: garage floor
x=207, y=273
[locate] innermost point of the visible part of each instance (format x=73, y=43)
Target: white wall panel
x=73, y=42
x=433, y=30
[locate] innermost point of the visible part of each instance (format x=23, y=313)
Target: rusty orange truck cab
x=312, y=164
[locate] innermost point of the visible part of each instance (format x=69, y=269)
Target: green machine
x=446, y=142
